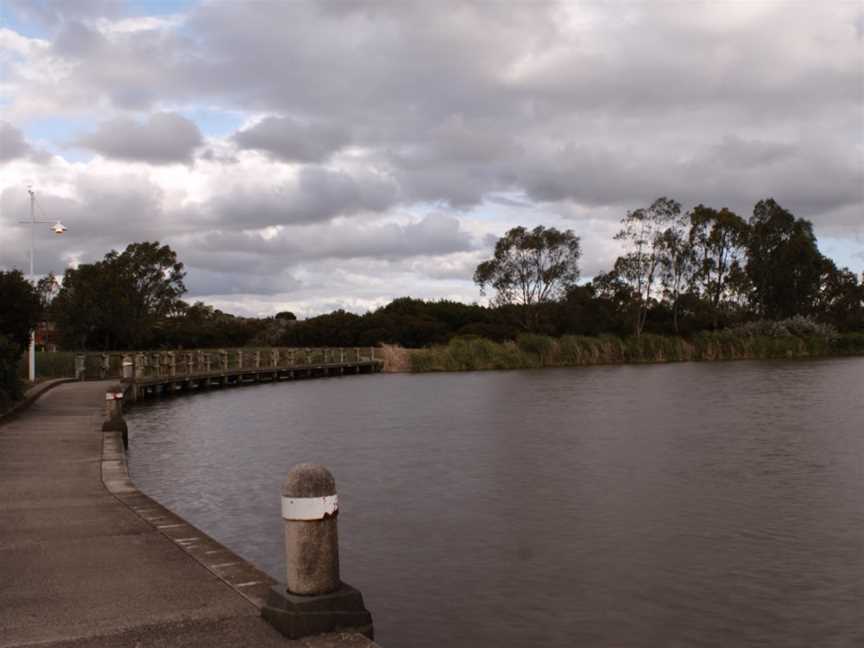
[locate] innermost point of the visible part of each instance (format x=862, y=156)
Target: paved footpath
x=80, y=568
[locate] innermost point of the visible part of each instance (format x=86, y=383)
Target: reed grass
x=531, y=351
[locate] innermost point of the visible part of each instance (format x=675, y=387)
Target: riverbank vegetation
x=699, y=284
x=532, y=351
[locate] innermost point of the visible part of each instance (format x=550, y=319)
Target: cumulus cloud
x=362, y=120
x=289, y=139
x=163, y=138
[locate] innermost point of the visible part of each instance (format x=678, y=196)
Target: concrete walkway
x=79, y=568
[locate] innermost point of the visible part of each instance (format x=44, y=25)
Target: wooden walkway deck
x=165, y=372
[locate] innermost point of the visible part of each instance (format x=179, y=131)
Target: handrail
x=133, y=366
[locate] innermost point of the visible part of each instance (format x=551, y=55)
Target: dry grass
x=396, y=359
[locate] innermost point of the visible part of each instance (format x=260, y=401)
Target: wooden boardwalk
x=164, y=372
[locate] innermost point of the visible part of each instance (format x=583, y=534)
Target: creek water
x=701, y=504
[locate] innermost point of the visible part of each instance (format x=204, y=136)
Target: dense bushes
x=10, y=386
x=20, y=309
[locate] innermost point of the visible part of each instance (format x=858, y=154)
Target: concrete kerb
x=257, y=587
x=241, y=576
x=32, y=395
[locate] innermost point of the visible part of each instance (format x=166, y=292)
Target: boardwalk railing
x=198, y=368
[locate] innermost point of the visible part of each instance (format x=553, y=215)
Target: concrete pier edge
x=188, y=624
x=240, y=575
x=236, y=572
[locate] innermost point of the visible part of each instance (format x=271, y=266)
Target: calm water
x=670, y=505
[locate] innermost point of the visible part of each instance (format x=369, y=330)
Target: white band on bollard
x=309, y=508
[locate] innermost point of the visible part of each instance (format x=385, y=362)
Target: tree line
x=680, y=273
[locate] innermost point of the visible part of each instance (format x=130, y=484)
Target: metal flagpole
x=57, y=228
x=31, y=357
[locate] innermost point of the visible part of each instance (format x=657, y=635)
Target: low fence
x=144, y=365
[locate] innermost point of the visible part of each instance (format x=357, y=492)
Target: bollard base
x=301, y=616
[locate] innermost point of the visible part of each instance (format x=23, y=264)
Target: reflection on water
x=712, y=504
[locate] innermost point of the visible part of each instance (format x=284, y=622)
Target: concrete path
x=79, y=568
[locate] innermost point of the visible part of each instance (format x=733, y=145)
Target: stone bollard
x=309, y=511
x=314, y=599
x=114, y=420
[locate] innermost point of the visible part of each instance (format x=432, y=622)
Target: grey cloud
x=164, y=138
x=460, y=103
x=12, y=143
x=471, y=104
x=318, y=194
x=229, y=262
x=76, y=40
x=737, y=153
x=208, y=282
x=289, y=139
x=435, y=234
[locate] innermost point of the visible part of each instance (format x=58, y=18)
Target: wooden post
x=128, y=367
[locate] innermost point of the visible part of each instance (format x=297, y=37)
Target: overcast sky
x=316, y=155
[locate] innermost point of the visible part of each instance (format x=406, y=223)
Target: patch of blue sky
x=21, y=23
x=159, y=7
x=214, y=122
x=845, y=252
x=58, y=132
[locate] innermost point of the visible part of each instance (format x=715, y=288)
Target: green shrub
x=10, y=383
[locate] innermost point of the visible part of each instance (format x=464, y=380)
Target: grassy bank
x=535, y=351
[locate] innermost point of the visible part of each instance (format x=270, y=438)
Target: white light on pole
x=58, y=228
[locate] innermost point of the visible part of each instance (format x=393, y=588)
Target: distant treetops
x=680, y=273
x=702, y=261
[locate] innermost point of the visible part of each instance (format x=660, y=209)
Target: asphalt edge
x=30, y=397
